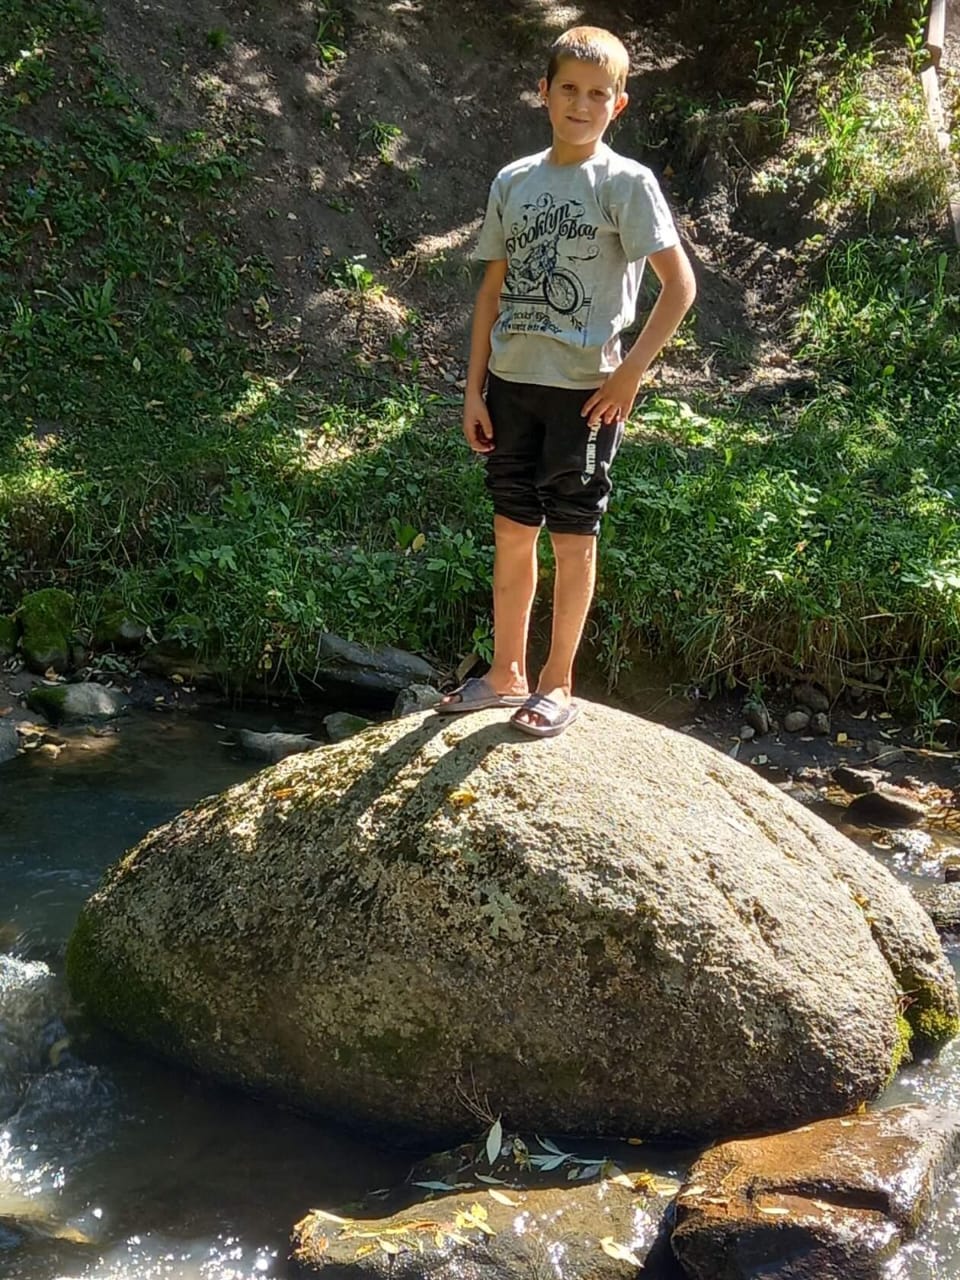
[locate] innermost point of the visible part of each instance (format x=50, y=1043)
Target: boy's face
x=581, y=101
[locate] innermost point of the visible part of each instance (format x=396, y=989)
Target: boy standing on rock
x=565, y=238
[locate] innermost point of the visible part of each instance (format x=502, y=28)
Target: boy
x=564, y=239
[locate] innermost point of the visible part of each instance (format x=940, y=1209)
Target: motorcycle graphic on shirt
x=542, y=292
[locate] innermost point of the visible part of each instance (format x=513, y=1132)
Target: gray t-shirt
x=575, y=237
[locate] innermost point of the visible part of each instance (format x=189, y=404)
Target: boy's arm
x=477, y=426
x=613, y=401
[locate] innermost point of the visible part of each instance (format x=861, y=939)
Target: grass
x=152, y=461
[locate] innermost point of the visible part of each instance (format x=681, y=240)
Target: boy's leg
x=576, y=571
x=518, y=518
x=574, y=487
x=514, y=587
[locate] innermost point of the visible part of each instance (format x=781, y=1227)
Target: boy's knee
x=508, y=530
x=573, y=546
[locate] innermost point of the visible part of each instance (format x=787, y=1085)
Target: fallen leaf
x=621, y=1252
x=388, y=1246
x=774, y=1211
x=460, y=797
x=502, y=1198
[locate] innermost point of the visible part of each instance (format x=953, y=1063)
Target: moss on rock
x=932, y=1022
x=48, y=700
x=47, y=619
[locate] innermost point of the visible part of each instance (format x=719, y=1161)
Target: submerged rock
x=272, y=747
x=47, y=621
x=76, y=703
x=829, y=1201
x=884, y=809
x=341, y=725
x=616, y=931
x=602, y=1231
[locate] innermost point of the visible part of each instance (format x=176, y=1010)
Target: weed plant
x=149, y=459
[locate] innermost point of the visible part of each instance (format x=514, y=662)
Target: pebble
x=794, y=721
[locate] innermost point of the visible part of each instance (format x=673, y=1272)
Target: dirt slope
x=387, y=151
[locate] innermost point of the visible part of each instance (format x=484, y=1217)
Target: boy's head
x=594, y=45
x=583, y=89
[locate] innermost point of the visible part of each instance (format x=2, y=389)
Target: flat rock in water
x=884, y=809
x=617, y=931
x=856, y=781
x=272, y=747
x=76, y=703
x=829, y=1201
x=602, y=1231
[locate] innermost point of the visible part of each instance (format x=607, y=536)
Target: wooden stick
x=936, y=29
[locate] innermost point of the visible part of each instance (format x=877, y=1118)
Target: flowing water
x=116, y=1167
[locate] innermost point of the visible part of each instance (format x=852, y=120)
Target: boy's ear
x=543, y=87
x=620, y=104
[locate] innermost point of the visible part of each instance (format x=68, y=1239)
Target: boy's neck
x=563, y=153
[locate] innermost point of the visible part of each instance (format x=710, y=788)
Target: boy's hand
x=477, y=426
x=613, y=401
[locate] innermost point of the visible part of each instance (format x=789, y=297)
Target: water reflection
x=113, y=1166
x=116, y=1167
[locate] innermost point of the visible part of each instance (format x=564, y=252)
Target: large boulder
x=828, y=1201
x=617, y=931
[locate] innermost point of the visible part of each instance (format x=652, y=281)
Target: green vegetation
x=152, y=460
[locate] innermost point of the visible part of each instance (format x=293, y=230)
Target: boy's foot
x=544, y=717
x=476, y=694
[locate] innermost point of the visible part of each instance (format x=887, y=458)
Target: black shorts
x=547, y=464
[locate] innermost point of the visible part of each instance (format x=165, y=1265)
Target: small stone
x=884, y=809
x=342, y=725
x=747, y=731
x=857, y=781
x=794, y=721
x=416, y=697
x=757, y=716
x=808, y=695
x=883, y=753
x=820, y=724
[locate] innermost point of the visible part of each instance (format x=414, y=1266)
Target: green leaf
x=494, y=1141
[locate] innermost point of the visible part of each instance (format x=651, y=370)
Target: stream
x=116, y=1167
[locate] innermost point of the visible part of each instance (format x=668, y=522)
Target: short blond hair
x=591, y=44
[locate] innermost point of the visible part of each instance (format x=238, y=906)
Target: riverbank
x=229, y=392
